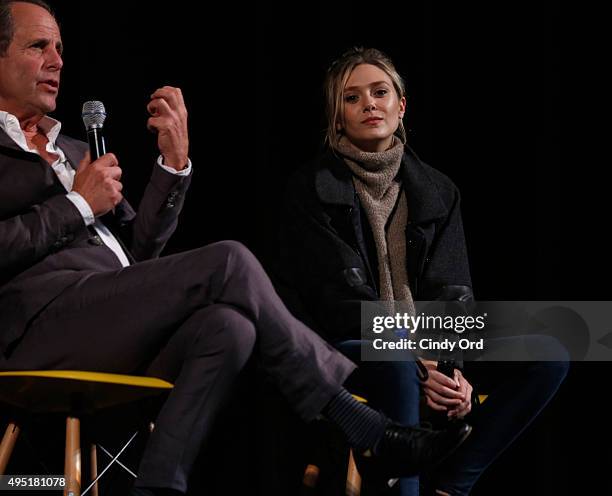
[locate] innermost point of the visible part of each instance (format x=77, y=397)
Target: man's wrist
x=185, y=171
x=177, y=163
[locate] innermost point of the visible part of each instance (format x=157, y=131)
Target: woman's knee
x=551, y=358
x=403, y=373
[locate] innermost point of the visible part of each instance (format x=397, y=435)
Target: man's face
x=30, y=69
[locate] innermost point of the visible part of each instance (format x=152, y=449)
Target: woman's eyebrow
x=375, y=83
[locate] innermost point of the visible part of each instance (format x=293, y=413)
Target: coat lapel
x=6, y=142
x=74, y=150
x=335, y=189
x=424, y=200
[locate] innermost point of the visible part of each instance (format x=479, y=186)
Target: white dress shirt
x=65, y=173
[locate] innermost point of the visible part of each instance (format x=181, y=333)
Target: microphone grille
x=93, y=114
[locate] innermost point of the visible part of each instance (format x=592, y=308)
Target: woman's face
x=372, y=109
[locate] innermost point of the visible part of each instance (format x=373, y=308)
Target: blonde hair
x=337, y=76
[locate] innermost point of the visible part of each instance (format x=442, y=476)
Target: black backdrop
x=485, y=106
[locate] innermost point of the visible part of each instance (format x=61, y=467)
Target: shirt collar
x=10, y=125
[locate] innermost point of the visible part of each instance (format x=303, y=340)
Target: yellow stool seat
x=55, y=390
x=75, y=393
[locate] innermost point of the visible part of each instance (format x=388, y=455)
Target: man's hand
x=446, y=394
x=169, y=120
x=99, y=183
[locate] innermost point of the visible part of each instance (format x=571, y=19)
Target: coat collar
x=334, y=185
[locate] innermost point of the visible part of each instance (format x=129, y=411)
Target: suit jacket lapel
x=72, y=152
x=6, y=142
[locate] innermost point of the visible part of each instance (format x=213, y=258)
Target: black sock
x=362, y=425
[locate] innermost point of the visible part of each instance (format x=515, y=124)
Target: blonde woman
x=368, y=220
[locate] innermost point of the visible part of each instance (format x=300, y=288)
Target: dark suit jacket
x=44, y=244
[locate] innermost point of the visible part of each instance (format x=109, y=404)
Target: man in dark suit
x=77, y=292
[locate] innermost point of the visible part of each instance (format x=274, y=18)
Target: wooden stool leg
x=8, y=443
x=311, y=476
x=353, y=479
x=94, y=468
x=72, y=461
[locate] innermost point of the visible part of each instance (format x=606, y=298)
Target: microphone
x=93, y=115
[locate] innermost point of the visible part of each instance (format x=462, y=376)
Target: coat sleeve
x=146, y=233
x=158, y=213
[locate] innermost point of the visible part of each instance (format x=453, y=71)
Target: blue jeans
x=517, y=392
